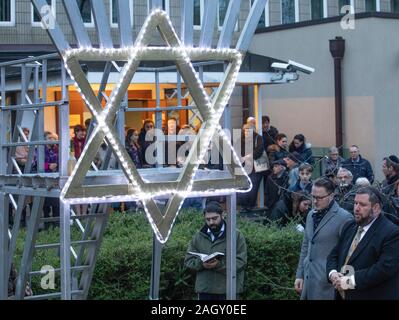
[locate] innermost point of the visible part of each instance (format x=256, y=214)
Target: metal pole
x=178, y=88
x=155, y=268
x=231, y=272
x=158, y=121
x=65, y=234
x=258, y=117
x=3, y=245
x=156, y=245
x=121, y=120
x=63, y=125
x=29, y=244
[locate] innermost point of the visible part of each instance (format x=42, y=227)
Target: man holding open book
x=206, y=256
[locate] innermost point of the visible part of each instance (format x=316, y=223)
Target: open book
x=207, y=257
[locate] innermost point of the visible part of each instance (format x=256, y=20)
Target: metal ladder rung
x=76, y=268
x=51, y=295
x=87, y=216
x=56, y=245
x=55, y=219
x=81, y=217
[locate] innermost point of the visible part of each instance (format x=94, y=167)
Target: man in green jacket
x=210, y=282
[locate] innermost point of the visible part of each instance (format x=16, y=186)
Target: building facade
x=288, y=29
x=369, y=78
x=21, y=35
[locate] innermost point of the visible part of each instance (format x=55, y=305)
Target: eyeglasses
x=320, y=197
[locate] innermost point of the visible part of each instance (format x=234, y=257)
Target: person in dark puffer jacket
x=299, y=145
x=360, y=167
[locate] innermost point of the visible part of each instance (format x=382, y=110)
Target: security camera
x=295, y=66
x=280, y=66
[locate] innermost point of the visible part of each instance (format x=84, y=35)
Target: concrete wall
x=370, y=82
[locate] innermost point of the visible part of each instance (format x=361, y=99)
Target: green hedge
x=124, y=264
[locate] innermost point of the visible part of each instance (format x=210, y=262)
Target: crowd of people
x=286, y=174
x=337, y=212
x=288, y=179
x=349, y=221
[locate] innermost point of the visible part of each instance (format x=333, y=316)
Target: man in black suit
x=369, y=249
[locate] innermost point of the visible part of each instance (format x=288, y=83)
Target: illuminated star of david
x=211, y=112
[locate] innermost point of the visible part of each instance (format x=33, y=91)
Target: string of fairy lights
x=212, y=112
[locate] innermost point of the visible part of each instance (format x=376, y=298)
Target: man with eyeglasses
x=210, y=283
x=324, y=225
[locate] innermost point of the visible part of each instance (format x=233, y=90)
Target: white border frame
x=32, y=10
x=220, y=27
x=195, y=26
x=116, y=25
x=325, y=8
x=267, y=14
x=12, y=16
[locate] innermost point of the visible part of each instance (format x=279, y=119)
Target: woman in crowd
x=293, y=205
x=301, y=206
x=146, y=138
x=51, y=165
x=278, y=151
x=133, y=147
x=249, y=153
x=299, y=145
x=78, y=141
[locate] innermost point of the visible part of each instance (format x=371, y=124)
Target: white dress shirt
x=352, y=277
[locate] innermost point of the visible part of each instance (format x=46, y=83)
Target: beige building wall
x=296, y=117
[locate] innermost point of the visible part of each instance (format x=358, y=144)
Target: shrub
x=123, y=267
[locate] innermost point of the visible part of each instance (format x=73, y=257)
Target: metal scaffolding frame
x=76, y=274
